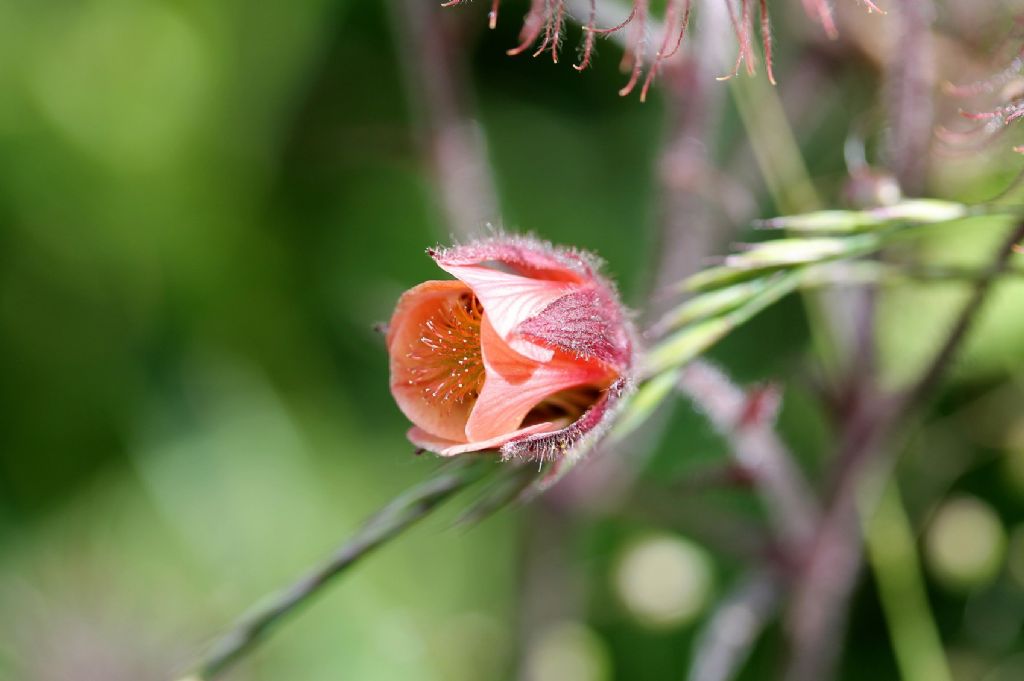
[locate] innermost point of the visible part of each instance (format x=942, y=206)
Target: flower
x=526, y=351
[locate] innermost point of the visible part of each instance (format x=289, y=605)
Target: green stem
x=416, y=503
x=774, y=145
x=893, y=557
x=785, y=174
x=686, y=344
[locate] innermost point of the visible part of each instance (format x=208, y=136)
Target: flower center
x=445, y=362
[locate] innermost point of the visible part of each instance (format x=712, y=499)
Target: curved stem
x=416, y=503
x=747, y=421
x=731, y=632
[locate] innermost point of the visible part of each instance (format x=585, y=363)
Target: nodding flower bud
x=526, y=351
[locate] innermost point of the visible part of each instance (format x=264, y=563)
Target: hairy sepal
x=587, y=323
x=524, y=255
x=564, y=447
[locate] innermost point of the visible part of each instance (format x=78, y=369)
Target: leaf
x=684, y=345
x=798, y=251
x=709, y=304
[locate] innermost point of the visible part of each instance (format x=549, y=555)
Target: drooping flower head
x=525, y=351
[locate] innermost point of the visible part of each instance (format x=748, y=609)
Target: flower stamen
x=445, y=361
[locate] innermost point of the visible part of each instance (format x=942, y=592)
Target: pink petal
x=432, y=443
x=529, y=348
x=508, y=299
x=413, y=308
x=554, y=445
x=514, y=384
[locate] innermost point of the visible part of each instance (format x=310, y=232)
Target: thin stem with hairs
x=391, y=521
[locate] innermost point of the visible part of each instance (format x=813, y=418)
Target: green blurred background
x=205, y=206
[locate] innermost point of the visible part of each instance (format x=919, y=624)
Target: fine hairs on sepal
x=589, y=428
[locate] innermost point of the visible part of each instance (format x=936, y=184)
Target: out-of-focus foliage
x=204, y=208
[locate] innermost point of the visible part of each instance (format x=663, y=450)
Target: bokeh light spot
x=568, y=651
x=965, y=543
x=664, y=581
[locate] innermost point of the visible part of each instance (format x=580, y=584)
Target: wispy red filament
x=639, y=29
x=588, y=38
x=547, y=18
x=533, y=24
x=663, y=51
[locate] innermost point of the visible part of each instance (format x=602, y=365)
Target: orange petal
x=414, y=308
x=514, y=384
x=431, y=443
x=509, y=299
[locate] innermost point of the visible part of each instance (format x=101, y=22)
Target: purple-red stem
x=875, y=425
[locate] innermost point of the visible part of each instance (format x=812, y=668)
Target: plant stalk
x=396, y=517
